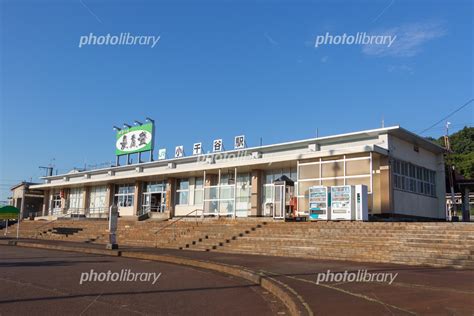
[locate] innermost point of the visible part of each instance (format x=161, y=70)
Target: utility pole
x=454, y=216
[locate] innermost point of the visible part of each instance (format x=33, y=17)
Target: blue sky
x=221, y=69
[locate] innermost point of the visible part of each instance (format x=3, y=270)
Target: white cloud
x=270, y=39
x=409, y=41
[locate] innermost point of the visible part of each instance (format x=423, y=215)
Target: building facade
x=29, y=201
x=404, y=174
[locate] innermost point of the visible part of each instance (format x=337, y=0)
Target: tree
x=462, y=147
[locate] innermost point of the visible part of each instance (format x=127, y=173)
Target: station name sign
x=134, y=139
x=197, y=149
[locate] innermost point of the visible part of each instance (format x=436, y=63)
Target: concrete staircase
x=434, y=244
x=430, y=243
x=215, y=235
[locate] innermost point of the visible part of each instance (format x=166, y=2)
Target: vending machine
x=361, y=209
x=343, y=202
x=319, y=201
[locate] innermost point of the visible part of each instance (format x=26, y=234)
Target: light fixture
x=117, y=128
x=149, y=120
x=125, y=125
x=137, y=122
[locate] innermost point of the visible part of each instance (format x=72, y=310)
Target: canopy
x=9, y=212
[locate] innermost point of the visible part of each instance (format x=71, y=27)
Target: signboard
x=134, y=139
x=197, y=149
x=217, y=145
x=113, y=224
x=179, y=151
x=162, y=154
x=9, y=212
x=239, y=142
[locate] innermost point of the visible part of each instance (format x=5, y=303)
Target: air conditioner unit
x=313, y=147
x=210, y=160
x=256, y=155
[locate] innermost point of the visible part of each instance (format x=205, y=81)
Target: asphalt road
x=46, y=282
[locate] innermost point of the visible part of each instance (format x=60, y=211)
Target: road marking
x=368, y=298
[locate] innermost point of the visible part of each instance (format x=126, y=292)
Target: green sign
x=9, y=212
x=134, y=139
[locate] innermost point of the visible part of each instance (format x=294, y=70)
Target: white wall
x=416, y=204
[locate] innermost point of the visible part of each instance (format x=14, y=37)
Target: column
x=256, y=193
x=46, y=195
x=22, y=207
x=64, y=193
x=170, y=196
x=109, y=197
x=385, y=187
x=85, y=200
x=137, y=201
x=466, y=212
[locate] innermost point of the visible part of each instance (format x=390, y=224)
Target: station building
x=404, y=174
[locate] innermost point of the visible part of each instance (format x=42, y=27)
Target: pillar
x=256, y=193
x=64, y=199
x=45, y=202
x=170, y=196
x=22, y=207
x=466, y=212
x=385, y=188
x=137, y=201
x=85, y=200
x=109, y=197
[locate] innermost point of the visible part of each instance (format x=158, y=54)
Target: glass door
x=279, y=201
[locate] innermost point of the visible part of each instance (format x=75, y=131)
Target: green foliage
x=462, y=146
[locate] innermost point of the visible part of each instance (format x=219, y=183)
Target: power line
x=447, y=116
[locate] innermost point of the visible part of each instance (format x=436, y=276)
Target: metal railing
x=173, y=224
x=76, y=213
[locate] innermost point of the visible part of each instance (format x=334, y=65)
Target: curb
x=291, y=300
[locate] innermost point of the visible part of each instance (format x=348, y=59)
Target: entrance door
x=279, y=201
x=163, y=202
x=155, y=202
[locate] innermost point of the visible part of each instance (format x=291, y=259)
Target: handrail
x=70, y=213
x=177, y=220
x=174, y=227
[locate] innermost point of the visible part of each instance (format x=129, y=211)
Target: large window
x=56, y=200
x=76, y=196
x=182, y=191
x=198, y=191
x=272, y=175
x=124, y=195
x=97, y=198
x=412, y=178
x=243, y=194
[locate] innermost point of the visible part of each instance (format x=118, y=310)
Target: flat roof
x=338, y=138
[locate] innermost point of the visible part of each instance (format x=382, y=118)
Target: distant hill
x=462, y=145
